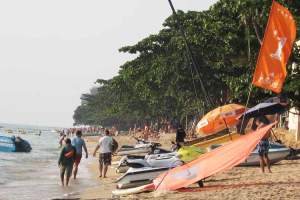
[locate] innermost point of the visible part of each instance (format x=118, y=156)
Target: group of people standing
x=84, y=130
x=71, y=154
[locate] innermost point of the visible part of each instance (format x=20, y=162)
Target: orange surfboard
x=218, y=160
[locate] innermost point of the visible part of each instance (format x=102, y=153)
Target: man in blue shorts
x=78, y=143
x=264, y=144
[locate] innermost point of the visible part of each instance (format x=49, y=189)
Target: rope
x=194, y=63
x=194, y=87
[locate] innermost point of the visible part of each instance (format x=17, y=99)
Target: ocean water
x=35, y=175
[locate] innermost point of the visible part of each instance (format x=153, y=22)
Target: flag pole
x=251, y=84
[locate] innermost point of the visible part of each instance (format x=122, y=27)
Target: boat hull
x=7, y=144
x=277, y=152
x=135, y=177
x=133, y=151
x=218, y=140
x=275, y=155
x=168, y=160
x=10, y=144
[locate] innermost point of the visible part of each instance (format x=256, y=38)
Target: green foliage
x=160, y=84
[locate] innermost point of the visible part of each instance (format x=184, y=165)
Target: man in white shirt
x=105, y=147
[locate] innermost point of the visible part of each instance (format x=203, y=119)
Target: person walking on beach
x=105, y=147
x=66, y=161
x=263, y=145
x=180, y=135
x=62, y=137
x=78, y=143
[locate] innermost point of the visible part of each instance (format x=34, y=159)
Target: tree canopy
x=161, y=84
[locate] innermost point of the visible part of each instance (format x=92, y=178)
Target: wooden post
x=294, y=123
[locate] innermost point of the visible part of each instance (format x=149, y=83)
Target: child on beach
x=66, y=161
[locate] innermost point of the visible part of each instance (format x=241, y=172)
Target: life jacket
x=69, y=154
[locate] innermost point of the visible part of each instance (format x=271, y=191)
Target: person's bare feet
x=100, y=176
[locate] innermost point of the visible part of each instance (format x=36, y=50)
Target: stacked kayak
x=14, y=144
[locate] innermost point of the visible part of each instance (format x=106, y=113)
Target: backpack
x=114, y=146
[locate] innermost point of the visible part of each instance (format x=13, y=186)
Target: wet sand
x=237, y=183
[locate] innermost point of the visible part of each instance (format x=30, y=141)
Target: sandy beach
x=237, y=183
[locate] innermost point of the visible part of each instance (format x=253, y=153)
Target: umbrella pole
x=194, y=62
x=275, y=136
x=225, y=123
x=227, y=128
x=248, y=98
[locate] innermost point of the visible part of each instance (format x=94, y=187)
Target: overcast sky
x=53, y=51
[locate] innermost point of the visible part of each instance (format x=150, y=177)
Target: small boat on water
x=14, y=144
x=9, y=131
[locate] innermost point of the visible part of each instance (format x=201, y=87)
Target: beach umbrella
x=219, y=119
x=263, y=109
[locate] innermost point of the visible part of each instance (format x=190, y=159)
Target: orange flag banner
x=277, y=45
x=218, y=160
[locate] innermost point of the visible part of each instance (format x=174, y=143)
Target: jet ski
x=151, y=160
x=142, y=147
x=147, y=172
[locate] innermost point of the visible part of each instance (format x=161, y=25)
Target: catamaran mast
x=207, y=98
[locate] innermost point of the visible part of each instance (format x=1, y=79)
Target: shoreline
x=104, y=185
